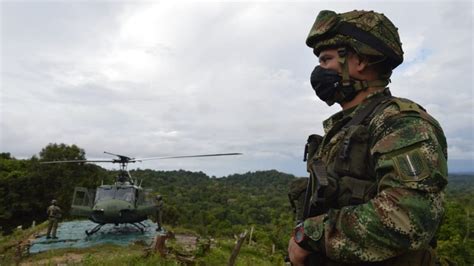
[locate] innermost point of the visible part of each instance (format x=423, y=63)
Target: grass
x=135, y=254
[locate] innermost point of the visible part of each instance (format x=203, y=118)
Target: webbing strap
x=319, y=169
x=350, y=29
x=366, y=111
x=358, y=191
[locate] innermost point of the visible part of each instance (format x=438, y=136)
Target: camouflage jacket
x=406, y=160
x=54, y=212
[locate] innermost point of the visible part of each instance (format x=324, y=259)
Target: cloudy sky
x=166, y=78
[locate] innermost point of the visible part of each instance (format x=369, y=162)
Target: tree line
x=207, y=205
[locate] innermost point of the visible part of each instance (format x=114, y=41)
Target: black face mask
x=328, y=86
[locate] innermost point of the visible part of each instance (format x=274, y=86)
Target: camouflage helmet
x=367, y=32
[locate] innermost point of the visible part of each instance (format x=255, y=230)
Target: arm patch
x=411, y=166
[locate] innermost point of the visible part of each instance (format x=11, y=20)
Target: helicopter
x=123, y=202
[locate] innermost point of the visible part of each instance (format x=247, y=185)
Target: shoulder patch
x=411, y=166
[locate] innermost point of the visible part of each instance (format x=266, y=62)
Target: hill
x=209, y=207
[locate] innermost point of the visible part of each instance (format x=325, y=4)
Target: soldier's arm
x=410, y=161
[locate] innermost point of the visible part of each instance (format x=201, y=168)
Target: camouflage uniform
x=389, y=173
x=406, y=157
x=54, y=214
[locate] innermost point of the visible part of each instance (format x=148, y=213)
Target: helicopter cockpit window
x=127, y=194
x=104, y=193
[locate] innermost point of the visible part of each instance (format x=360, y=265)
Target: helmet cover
x=367, y=32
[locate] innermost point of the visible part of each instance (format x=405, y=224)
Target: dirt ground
x=70, y=258
x=188, y=242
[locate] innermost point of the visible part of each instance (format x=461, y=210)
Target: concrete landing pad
x=72, y=235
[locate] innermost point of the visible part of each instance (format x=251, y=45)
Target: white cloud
x=171, y=78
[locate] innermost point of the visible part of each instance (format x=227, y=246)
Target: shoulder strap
x=367, y=110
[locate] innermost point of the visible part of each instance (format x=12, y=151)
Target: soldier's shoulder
x=398, y=106
x=395, y=108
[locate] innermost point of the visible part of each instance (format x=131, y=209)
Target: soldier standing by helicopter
x=159, y=212
x=54, y=214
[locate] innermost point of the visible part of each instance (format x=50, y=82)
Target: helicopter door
x=82, y=201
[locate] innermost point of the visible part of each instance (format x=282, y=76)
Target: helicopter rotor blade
x=78, y=161
x=122, y=157
x=125, y=159
x=189, y=156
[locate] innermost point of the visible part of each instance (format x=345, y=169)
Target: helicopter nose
x=98, y=211
x=112, y=209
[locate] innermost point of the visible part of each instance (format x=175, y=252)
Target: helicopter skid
x=94, y=230
x=141, y=227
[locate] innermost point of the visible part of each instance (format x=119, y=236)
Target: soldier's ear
x=362, y=64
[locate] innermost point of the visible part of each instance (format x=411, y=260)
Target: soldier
x=159, y=212
x=377, y=176
x=54, y=214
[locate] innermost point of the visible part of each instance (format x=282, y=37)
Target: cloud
x=171, y=78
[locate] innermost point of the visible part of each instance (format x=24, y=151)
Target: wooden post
x=273, y=249
x=159, y=244
x=18, y=253
x=237, y=247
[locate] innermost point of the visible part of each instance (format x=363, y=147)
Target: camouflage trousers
x=52, y=227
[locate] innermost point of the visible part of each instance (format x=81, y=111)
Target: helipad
x=72, y=235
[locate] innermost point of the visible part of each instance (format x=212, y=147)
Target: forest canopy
x=207, y=205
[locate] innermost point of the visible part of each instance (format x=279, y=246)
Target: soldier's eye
x=324, y=59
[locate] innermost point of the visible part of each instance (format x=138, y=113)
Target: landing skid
x=139, y=226
x=94, y=230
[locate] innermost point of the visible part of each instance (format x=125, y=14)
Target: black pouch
x=297, y=189
x=353, y=153
x=296, y=196
x=311, y=148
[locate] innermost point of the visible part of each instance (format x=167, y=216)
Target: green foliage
x=61, y=152
x=225, y=206
x=27, y=187
x=254, y=254
x=9, y=243
x=106, y=254
x=211, y=207
x=456, y=237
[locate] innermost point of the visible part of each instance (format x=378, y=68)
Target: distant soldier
x=54, y=214
x=159, y=212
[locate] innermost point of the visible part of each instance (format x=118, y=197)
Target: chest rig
x=340, y=166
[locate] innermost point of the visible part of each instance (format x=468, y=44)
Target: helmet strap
x=350, y=87
x=383, y=58
x=364, y=84
x=346, y=79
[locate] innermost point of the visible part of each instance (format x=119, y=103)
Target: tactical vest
x=342, y=168
x=54, y=212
